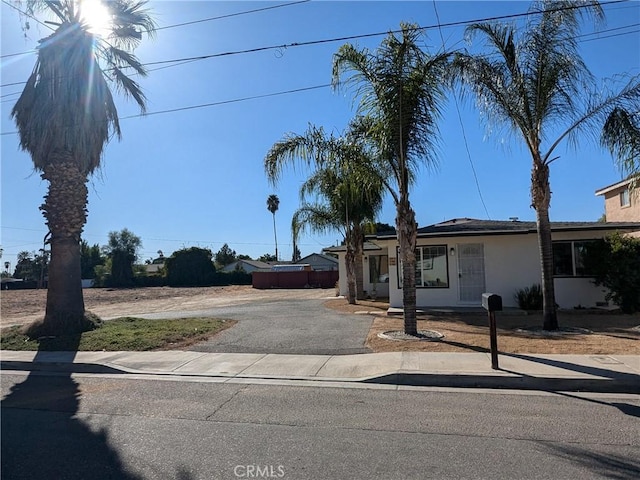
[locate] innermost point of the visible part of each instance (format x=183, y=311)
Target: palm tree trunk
x=359, y=268
x=351, y=273
x=541, y=199
x=65, y=211
x=275, y=235
x=407, y=232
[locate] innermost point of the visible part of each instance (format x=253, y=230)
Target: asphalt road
x=280, y=325
x=122, y=427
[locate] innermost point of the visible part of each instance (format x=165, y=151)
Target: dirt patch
x=19, y=307
x=612, y=333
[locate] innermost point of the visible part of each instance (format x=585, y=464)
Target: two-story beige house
x=621, y=202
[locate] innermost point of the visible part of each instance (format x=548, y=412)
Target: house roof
x=256, y=263
x=253, y=263
x=614, y=186
x=368, y=246
x=321, y=255
x=471, y=227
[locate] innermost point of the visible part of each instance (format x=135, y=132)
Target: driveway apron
x=284, y=326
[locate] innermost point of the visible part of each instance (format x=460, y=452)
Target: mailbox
x=492, y=302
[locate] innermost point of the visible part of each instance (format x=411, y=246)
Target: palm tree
x=401, y=91
x=65, y=116
x=273, y=202
x=537, y=84
x=346, y=191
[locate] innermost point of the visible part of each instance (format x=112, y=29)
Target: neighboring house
x=320, y=262
x=621, y=203
x=247, y=265
x=460, y=259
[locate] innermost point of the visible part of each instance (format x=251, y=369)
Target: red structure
x=300, y=279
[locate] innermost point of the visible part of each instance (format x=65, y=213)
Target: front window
x=624, y=198
x=379, y=268
x=432, y=270
x=568, y=259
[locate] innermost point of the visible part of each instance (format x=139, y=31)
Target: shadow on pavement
x=43, y=439
x=608, y=465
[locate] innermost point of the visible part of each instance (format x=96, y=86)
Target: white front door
x=471, y=284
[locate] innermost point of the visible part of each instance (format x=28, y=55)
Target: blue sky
x=195, y=177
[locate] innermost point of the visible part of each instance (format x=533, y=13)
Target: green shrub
x=615, y=264
x=237, y=277
x=529, y=298
x=190, y=267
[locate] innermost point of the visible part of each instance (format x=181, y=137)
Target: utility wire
x=232, y=15
x=464, y=134
x=344, y=38
x=211, y=104
x=27, y=15
x=209, y=19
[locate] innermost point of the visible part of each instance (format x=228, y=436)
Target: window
x=624, y=198
x=568, y=259
x=379, y=268
x=432, y=269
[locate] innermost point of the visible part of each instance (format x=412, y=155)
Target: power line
x=224, y=102
x=28, y=15
x=231, y=15
x=464, y=134
x=343, y=38
x=211, y=104
x=209, y=19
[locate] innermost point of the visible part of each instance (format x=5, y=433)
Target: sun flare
x=97, y=16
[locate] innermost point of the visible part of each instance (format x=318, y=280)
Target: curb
x=503, y=380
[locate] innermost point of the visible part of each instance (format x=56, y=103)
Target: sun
x=97, y=17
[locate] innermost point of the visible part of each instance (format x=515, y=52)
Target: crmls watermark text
x=258, y=471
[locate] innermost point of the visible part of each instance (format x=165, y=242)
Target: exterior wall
x=511, y=262
x=615, y=212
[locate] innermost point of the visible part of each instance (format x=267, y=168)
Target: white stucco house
x=462, y=258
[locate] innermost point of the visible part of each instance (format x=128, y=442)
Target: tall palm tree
x=65, y=116
x=536, y=83
x=346, y=192
x=273, y=202
x=401, y=90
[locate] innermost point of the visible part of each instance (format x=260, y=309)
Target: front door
x=471, y=284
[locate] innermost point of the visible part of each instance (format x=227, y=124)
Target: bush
x=529, y=298
x=237, y=277
x=190, y=267
x=615, y=264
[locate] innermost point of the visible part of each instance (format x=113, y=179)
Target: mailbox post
x=492, y=303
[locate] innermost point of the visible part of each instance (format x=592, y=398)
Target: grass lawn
x=126, y=333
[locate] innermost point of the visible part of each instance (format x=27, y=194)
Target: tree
x=273, y=202
x=90, y=258
x=267, y=257
x=297, y=255
x=65, y=116
x=122, y=249
x=190, y=267
x=348, y=192
x=401, y=90
x=536, y=84
x=614, y=263
x=28, y=266
x=225, y=256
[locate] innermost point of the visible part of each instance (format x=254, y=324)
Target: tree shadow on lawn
x=42, y=438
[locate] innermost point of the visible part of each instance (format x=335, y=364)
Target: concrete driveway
x=295, y=323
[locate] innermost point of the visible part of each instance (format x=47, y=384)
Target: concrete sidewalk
x=593, y=373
